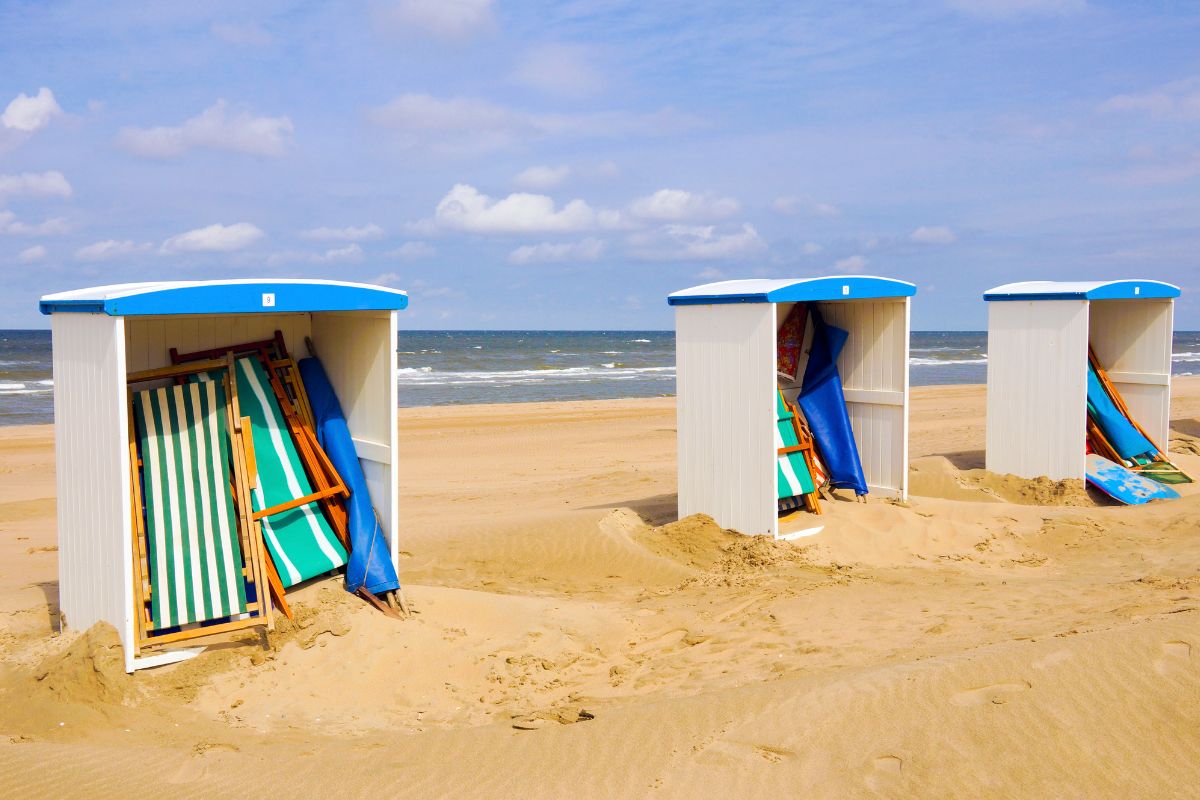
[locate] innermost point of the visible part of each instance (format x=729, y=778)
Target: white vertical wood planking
x=148, y=340
x=725, y=365
x=1037, y=387
x=95, y=550
x=1132, y=339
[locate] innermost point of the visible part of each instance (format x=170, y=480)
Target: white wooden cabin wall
x=358, y=351
x=95, y=546
x=874, y=370
x=725, y=367
x=1037, y=387
x=1132, y=339
x=148, y=340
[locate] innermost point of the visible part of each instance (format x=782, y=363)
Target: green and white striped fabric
x=300, y=541
x=195, y=562
x=792, y=471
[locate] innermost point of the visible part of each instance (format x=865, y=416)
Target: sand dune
x=992, y=637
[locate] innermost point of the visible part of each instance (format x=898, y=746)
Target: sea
x=459, y=367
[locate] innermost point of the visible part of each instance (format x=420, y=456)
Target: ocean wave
x=4, y=386
x=640, y=341
x=524, y=376
x=945, y=362
x=1185, y=356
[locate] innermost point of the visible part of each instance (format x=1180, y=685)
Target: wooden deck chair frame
x=249, y=535
x=804, y=446
x=1160, y=455
x=331, y=491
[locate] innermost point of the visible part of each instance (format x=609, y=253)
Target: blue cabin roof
x=789, y=290
x=1082, y=290
x=224, y=297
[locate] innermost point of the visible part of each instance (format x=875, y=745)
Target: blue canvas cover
x=370, y=565
x=1127, y=440
x=824, y=405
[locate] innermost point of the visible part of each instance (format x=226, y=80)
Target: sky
x=567, y=165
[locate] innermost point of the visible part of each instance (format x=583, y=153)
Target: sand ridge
x=990, y=637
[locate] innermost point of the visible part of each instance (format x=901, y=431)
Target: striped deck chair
x=198, y=567
x=792, y=472
x=298, y=537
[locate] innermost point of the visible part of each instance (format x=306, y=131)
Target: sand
x=992, y=637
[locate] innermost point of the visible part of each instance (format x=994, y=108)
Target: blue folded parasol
x=824, y=405
x=370, y=565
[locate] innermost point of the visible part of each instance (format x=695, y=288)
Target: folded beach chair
x=793, y=475
x=1116, y=435
x=198, y=563
x=298, y=537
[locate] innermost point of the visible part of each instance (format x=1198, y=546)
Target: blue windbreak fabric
x=370, y=565
x=824, y=405
x=1127, y=440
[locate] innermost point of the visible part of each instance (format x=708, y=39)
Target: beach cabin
x=102, y=334
x=1038, y=338
x=727, y=383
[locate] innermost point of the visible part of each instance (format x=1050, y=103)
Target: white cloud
x=31, y=254
x=1179, y=99
x=215, y=128
x=444, y=19
x=585, y=250
x=850, y=264
x=471, y=125
x=559, y=69
x=812, y=248
x=109, y=249
x=791, y=204
x=28, y=114
x=677, y=205
x=351, y=252
x=9, y=224
x=1015, y=8
x=248, y=34
x=216, y=238
x=350, y=233
x=36, y=184
x=710, y=274
x=412, y=251
x=542, y=177
x=933, y=234
x=465, y=208
x=386, y=279
x=1153, y=168
x=698, y=243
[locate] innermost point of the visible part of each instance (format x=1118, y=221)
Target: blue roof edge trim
x=1110, y=290
x=856, y=287
x=257, y=297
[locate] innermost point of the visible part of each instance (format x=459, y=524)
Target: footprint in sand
x=885, y=774
x=994, y=694
x=1175, y=654
x=727, y=752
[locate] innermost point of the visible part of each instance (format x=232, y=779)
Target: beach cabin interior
x=1039, y=334
x=728, y=385
x=104, y=334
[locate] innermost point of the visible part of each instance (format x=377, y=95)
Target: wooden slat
x=175, y=371
x=296, y=503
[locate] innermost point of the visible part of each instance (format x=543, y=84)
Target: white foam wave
x=940, y=362
x=526, y=376
x=1185, y=356
x=4, y=386
x=640, y=341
